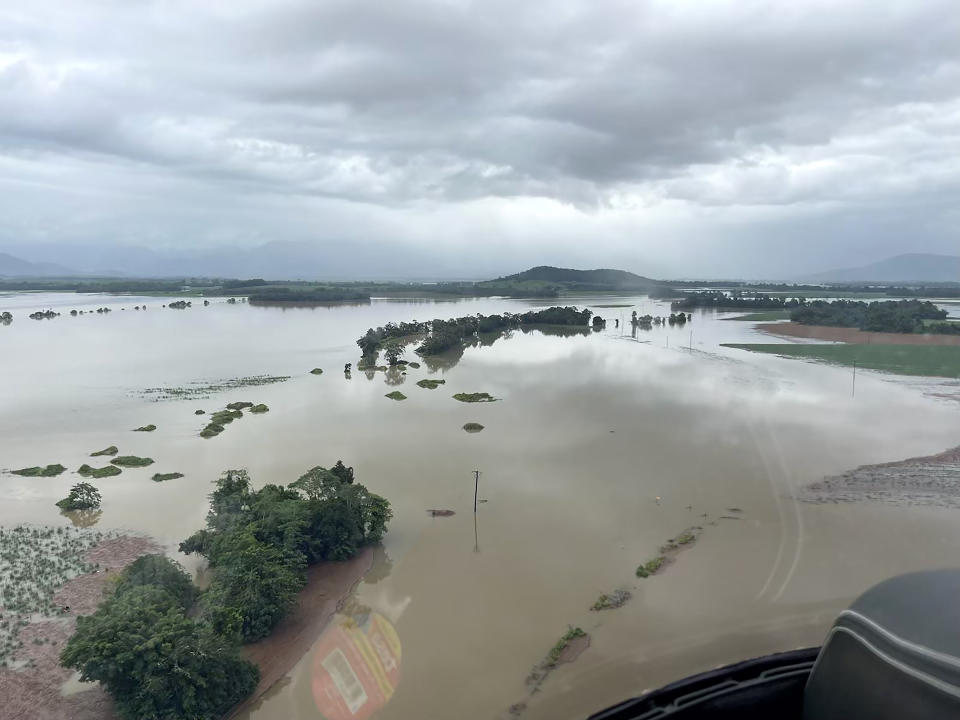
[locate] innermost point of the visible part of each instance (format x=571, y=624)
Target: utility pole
x=691, y=342
x=476, y=489
x=853, y=389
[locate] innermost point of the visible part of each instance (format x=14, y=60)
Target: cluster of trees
x=448, y=334
x=443, y=335
x=259, y=542
x=734, y=299
x=164, y=650
x=157, y=661
x=319, y=293
x=903, y=316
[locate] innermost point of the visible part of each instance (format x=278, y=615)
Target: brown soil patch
x=33, y=692
x=929, y=480
x=328, y=586
x=852, y=335
x=574, y=649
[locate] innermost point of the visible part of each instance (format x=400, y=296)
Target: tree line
x=438, y=336
x=162, y=649
x=898, y=316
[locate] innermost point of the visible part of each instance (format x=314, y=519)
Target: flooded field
x=599, y=448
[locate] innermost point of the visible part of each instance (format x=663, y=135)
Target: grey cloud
x=409, y=109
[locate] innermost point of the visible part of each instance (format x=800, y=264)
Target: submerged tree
x=82, y=496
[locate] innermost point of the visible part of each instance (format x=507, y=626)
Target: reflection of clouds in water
x=528, y=348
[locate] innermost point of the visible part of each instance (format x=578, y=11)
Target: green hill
x=567, y=279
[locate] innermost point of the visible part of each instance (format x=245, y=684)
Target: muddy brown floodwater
x=600, y=446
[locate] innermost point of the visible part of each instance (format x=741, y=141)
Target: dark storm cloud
x=622, y=109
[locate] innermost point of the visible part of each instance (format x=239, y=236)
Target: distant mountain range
x=603, y=279
x=11, y=266
x=908, y=268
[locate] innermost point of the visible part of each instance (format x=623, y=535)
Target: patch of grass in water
x=258, y=409
x=414, y=365
x=924, y=360
x=472, y=427
x=112, y=450
x=430, y=384
x=651, y=566
x=161, y=477
x=132, y=461
x=316, y=371
x=199, y=412
x=146, y=428
x=200, y=390
x=239, y=405
x=396, y=395
x=225, y=417
x=106, y=471
x=37, y=471
x=569, y=636
x=211, y=430
x=611, y=601
x=474, y=397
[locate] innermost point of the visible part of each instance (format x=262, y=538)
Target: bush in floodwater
x=612, y=600
x=474, y=397
x=132, y=461
x=199, y=412
x=651, y=566
x=211, y=430
x=239, y=405
x=225, y=417
x=106, y=471
x=37, y=471
x=112, y=450
x=430, y=384
x=160, y=477
x=472, y=427
x=146, y=428
x=82, y=496
x=569, y=636
x=317, y=371
x=258, y=409
x=396, y=395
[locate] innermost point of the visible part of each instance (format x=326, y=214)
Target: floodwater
x=589, y=430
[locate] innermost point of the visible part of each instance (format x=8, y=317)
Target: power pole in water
x=476, y=489
x=853, y=389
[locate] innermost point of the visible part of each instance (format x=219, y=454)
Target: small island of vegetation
x=146, y=428
x=474, y=397
x=37, y=471
x=161, y=477
x=106, y=471
x=82, y=496
x=396, y=395
x=132, y=461
x=429, y=384
x=112, y=450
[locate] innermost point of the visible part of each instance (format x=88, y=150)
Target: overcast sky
x=665, y=137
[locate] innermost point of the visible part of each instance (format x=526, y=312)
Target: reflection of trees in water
x=556, y=330
x=445, y=360
x=394, y=376
x=83, y=518
x=381, y=568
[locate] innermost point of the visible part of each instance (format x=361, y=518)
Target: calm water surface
x=591, y=428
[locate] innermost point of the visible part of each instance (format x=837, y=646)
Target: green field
x=928, y=360
x=763, y=315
